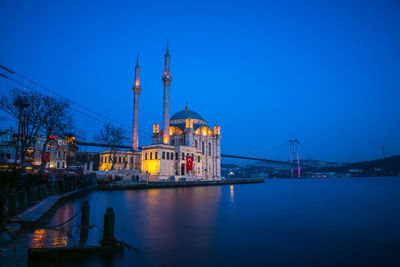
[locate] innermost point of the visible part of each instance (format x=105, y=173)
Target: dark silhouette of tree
x=57, y=121
x=29, y=116
x=36, y=114
x=111, y=136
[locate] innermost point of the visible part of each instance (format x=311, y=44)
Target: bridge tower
x=167, y=81
x=293, y=144
x=136, y=88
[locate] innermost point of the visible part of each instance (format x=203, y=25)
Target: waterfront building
x=185, y=148
x=59, y=151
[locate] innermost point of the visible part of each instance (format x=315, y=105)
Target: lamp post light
x=21, y=103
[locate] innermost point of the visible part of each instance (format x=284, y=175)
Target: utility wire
x=109, y=120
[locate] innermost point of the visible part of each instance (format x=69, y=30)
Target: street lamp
x=21, y=103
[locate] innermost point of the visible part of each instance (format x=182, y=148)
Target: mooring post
x=85, y=215
x=40, y=192
x=30, y=196
x=45, y=191
x=22, y=199
x=85, y=211
x=12, y=203
x=57, y=188
x=51, y=189
x=108, y=234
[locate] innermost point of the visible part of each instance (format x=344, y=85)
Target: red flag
x=47, y=156
x=189, y=163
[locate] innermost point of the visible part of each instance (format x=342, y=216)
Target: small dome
x=185, y=114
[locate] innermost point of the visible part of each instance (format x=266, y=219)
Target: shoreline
x=154, y=185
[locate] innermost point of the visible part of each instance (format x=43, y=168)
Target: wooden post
x=22, y=199
x=108, y=234
x=12, y=203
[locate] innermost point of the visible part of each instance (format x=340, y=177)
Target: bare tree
x=27, y=108
x=112, y=137
x=57, y=120
x=36, y=113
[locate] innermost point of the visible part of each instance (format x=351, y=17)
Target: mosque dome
x=186, y=114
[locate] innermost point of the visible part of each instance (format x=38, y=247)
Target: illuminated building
x=184, y=138
x=186, y=133
x=59, y=151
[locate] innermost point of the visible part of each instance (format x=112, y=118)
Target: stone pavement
x=14, y=252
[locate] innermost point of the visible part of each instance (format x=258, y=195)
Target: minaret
x=167, y=81
x=136, y=91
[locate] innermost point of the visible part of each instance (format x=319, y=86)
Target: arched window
x=58, y=164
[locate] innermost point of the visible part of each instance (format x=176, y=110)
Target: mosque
x=185, y=148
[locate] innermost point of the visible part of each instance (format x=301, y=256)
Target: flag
x=47, y=156
x=189, y=163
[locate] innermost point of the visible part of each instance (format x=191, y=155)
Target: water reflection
x=48, y=238
x=276, y=223
x=232, y=194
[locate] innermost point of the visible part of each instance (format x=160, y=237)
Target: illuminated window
x=155, y=155
x=163, y=155
x=151, y=155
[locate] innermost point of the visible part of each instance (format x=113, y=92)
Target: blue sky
x=325, y=72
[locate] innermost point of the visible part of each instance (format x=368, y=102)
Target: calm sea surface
x=283, y=222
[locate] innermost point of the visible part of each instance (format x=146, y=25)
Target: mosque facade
x=185, y=148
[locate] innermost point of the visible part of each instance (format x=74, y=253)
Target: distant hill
x=386, y=166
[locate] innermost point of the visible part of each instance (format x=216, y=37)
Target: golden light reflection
x=232, y=193
x=60, y=240
x=39, y=236
x=45, y=238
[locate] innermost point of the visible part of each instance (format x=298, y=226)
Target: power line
x=108, y=120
